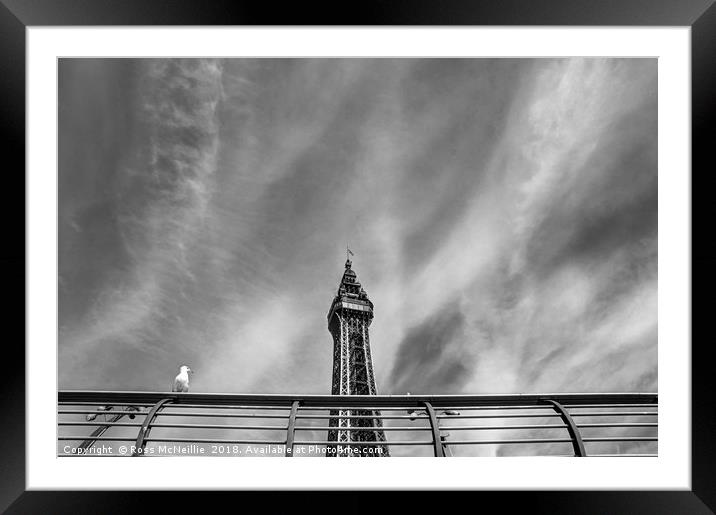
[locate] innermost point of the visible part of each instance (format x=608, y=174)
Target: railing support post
x=291, y=429
x=146, y=427
x=86, y=444
x=574, y=433
x=437, y=442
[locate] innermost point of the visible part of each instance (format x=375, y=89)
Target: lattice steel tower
x=348, y=320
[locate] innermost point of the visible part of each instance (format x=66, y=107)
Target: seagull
x=181, y=381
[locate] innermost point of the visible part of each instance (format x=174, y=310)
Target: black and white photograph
x=357, y=257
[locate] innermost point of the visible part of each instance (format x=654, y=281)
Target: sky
x=502, y=215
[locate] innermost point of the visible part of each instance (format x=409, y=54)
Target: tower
x=350, y=315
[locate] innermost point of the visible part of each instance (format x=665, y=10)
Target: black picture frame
x=17, y=15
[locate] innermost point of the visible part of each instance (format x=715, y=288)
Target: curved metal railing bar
x=146, y=426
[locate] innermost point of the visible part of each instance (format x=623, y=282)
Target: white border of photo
x=670, y=470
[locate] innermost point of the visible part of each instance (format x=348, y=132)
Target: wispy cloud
x=503, y=215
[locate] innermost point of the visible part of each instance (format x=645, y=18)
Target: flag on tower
x=349, y=251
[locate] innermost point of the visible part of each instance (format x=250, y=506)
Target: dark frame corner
x=17, y=15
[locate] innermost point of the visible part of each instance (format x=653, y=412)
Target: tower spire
x=349, y=253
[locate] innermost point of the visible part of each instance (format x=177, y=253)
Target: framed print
x=414, y=233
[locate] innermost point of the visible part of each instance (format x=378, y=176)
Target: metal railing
x=115, y=423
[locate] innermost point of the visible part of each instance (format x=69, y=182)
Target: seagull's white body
x=181, y=381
